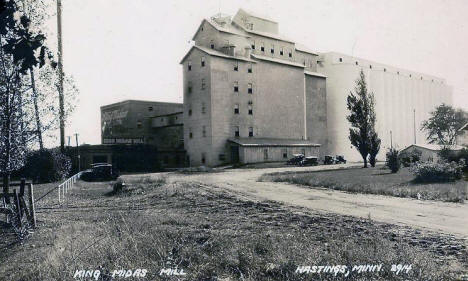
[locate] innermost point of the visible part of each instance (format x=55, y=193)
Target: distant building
x=429, y=152
x=462, y=136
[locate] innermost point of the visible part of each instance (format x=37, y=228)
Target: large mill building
x=253, y=95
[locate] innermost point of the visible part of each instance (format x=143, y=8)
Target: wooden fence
x=21, y=207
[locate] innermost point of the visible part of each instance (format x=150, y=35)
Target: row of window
x=272, y=49
x=236, y=108
x=385, y=69
x=235, y=65
x=236, y=132
x=235, y=86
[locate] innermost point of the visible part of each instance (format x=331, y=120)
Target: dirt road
x=449, y=218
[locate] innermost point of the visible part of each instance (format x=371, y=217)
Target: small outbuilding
x=462, y=135
x=255, y=150
x=429, y=152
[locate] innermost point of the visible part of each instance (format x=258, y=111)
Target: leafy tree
x=374, y=148
x=362, y=118
x=441, y=128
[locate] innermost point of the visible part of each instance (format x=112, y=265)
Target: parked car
x=309, y=161
x=295, y=160
x=99, y=171
x=328, y=160
x=339, y=159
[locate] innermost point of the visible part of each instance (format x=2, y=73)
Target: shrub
x=441, y=171
x=47, y=165
x=409, y=157
x=392, y=162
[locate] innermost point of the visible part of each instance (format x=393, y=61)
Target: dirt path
x=450, y=218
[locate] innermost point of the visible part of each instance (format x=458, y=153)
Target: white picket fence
x=65, y=186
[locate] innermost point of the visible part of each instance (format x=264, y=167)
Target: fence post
x=59, y=193
x=22, y=184
x=18, y=206
x=31, y=204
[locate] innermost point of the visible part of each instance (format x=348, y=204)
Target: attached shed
x=255, y=150
x=462, y=135
x=429, y=152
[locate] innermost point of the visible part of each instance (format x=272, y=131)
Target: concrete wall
x=396, y=95
x=316, y=111
x=198, y=144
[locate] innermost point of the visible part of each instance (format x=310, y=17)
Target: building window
x=189, y=87
x=249, y=88
x=272, y=50
x=410, y=75
x=190, y=111
x=202, y=61
x=203, y=157
x=262, y=47
x=304, y=62
x=236, y=131
x=357, y=63
x=150, y=108
x=139, y=124
x=236, y=66
x=281, y=51
x=370, y=66
x=341, y=59
x=189, y=65
x=212, y=44
x=398, y=73
x=204, y=131
x=236, y=87
x=384, y=70
x=250, y=131
x=253, y=45
x=203, y=84
x=284, y=152
x=249, y=68
x=250, y=109
x=421, y=77
x=203, y=108
x=265, y=154
x=303, y=151
x=236, y=108
x=290, y=53
x=190, y=133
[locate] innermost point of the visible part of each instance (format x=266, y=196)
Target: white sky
x=130, y=49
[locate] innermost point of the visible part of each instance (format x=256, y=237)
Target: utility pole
x=414, y=124
x=78, y=152
x=391, y=139
x=60, y=73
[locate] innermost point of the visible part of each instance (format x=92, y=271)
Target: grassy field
x=214, y=235
x=375, y=181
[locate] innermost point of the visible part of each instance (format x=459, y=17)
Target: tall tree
x=442, y=126
x=362, y=118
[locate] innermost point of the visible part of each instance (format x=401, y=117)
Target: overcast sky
x=130, y=49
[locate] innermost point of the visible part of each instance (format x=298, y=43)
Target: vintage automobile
x=328, y=160
x=99, y=171
x=309, y=161
x=295, y=160
x=339, y=159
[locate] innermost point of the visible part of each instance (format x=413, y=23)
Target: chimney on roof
x=247, y=51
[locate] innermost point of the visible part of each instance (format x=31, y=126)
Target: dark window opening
x=272, y=50
x=262, y=49
x=236, y=109
x=189, y=65
x=370, y=66
x=281, y=52
x=150, y=108
x=265, y=154
x=253, y=46
x=285, y=153
x=341, y=59
x=236, y=131
x=250, y=132
x=290, y=54
x=357, y=63
x=190, y=112
x=203, y=160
